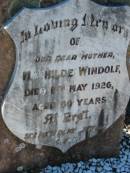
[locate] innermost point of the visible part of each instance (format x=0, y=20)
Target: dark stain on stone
x=115, y=101
x=87, y=133
x=101, y=119
x=107, y=119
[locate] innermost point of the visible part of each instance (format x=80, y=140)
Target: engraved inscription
x=71, y=79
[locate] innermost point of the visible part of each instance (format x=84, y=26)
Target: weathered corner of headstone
x=64, y=83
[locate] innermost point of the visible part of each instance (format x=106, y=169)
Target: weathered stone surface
x=14, y=152
x=81, y=93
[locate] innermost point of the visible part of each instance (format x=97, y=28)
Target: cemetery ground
x=120, y=164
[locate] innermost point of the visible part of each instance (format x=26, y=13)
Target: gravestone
x=70, y=85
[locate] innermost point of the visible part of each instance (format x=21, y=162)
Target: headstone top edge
x=58, y=5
